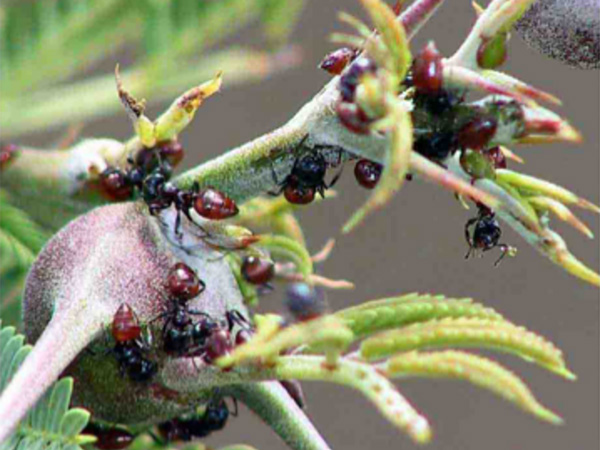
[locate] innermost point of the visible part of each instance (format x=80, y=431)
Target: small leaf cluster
x=51, y=424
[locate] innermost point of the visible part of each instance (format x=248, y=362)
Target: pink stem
x=66, y=335
x=417, y=14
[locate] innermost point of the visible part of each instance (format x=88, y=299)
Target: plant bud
x=116, y=254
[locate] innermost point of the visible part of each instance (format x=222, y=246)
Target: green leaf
x=476, y=369
x=393, y=312
x=73, y=422
x=290, y=249
x=20, y=237
x=50, y=425
x=469, y=333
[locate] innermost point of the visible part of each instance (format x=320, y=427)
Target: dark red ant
x=129, y=349
x=305, y=302
x=257, y=270
x=150, y=174
x=183, y=283
x=336, y=61
x=109, y=438
x=219, y=342
x=478, y=132
x=353, y=117
x=179, y=332
x=214, y=205
x=427, y=70
x=214, y=419
x=486, y=234
x=306, y=178
x=367, y=173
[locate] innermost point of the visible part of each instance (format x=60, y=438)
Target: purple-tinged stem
x=67, y=334
x=417, y=14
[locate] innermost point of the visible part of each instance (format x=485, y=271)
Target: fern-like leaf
x=480, y=371
x=20, y=241
x=498, y=335
x=20, y=237
x=393, y=312
x=50, y=424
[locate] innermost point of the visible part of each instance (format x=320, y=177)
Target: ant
x=150, y=177
x=257, y=271
x=179, y=331
x=367, y=173
x=214, y=419
x=219, y=342
x=129, y=347
x=486, y=234
x=306, y=178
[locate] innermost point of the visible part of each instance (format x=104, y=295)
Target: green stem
x=273, y=405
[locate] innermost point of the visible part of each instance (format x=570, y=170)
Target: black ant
x=486, y=234
x=306, y=178
x=129, y=349
x=214, y=419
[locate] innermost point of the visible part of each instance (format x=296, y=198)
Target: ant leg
x=178, y=232
x=195, y=312
x=235, y=411
x=468, y=238
x=504, y=249
x=335, y=178
x=156, y=439
x=160, y=316
x=277, y=182
x=266, y=288
x=321, y=190
x=235, y=317
x=468, y=225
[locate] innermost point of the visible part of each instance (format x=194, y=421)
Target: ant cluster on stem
x=149, y=176
x=450, y=134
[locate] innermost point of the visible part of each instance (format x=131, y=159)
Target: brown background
x=416, y=244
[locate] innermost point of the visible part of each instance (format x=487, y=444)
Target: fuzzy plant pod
x=121, y=253
x=565, y=30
